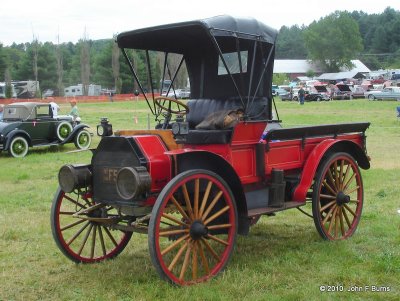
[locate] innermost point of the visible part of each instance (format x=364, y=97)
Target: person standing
x=301, y=93
x=54, y=108
x=1, y=111
x=74, y=111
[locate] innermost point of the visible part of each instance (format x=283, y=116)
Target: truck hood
x=343, y=88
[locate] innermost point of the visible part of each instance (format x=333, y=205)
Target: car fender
x=75, y=130
x=314, y=159
x=198, y=159
x=14, y=133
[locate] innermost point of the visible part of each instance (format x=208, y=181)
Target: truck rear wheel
x=193, y=227
x=337, y=197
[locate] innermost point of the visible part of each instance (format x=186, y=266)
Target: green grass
x=283, y=258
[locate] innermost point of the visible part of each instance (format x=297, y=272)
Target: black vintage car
x=31, y=124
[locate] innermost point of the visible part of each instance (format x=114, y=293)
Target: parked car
x=178, y=93
x=30, y=124
x=358, y=91
x=342, y=92
x=315, y=96
x=386, y=93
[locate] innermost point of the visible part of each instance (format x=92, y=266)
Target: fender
x=199, y=159
x=14, y=133
x=314, y=159
x=75, y=130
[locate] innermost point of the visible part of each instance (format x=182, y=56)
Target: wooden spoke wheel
x=192, y=230
x=171, y=105
x=337, y=197
x=85, y=238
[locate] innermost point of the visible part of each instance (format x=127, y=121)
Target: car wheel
x=371, y=97
x=63, y=130
x=18, y=147
x=318, y=99
x=83, y=139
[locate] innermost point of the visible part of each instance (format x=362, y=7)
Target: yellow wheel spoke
x=345, y=176
x=346, y=218
x=330, y=177
x=341, y=174
x=325, y=184
x=103, y=246
x=327, y=206
x=72, y=225
x=341, y=222
x=327, y=196
x=328, y=214
x=351, y=191
x=211, y=206
x=350, y=210
x=337, y=183
x=175, y=244
x=177, y=256
x=185, y=261
x=194, y=260
x=78, y=233
x=93, y=246
x=85, y=239
x=205, y=198
x=173, y=219
x=218, y=239
x=332, y=219
x=173, y=232
x=217, y=214
x=111, y=237
x=210, y=249
x=203, y=258
x=179, y=207
x=222, y=226
x=196, y=198
x=187, y=201
x=349, y=182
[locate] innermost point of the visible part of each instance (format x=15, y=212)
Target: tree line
x=333, y=41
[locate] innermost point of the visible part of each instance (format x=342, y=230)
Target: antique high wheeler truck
x=213, y=165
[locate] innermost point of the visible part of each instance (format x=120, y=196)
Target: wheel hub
x=342, y=198
x=198, y=230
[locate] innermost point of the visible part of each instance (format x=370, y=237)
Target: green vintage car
x=31, y=124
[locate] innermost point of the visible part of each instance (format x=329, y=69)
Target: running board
x=266, y=210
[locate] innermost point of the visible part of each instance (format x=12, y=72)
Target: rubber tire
x=61, y=243
x=78, y=136
x=325, y=163
x=153, y=225
x=371, y=97
x=24, y=144
x=63, y=126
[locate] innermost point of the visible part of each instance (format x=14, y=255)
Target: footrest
x=266, y=210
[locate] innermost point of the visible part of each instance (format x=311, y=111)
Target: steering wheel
x=166, y=104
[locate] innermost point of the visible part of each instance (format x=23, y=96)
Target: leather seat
x=199, y=109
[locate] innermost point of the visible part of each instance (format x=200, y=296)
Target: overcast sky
x=68, y=19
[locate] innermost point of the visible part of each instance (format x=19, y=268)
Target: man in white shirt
x=54, y=108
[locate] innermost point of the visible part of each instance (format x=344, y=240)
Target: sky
x=70, y=20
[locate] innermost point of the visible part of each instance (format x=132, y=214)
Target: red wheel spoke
x=205, y=198
x=217, y=214
x=210, y=249
x=85, y=239
x=218, y=239
x=72, y=225
x=327, y=206
x=211, y=206
x=173, y=219
x=78, y=233
x=178, y=255
x=175, y=244
x=187, y=201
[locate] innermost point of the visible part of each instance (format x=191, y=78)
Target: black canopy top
x=227, y=58
x=186, y=36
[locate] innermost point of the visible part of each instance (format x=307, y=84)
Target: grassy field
x=283, y=258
